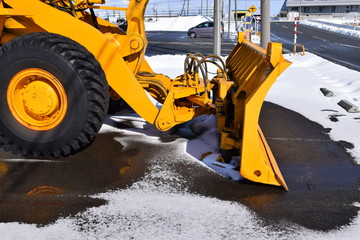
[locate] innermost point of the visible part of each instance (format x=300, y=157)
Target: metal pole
x=236, y=15
x=265, y=23
x=355, y=21
x=295, y=30
x=207, y=8
x=217, y=27
x=229, y=18
x=188, y=7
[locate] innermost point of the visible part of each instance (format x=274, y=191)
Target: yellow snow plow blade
x=253, y=71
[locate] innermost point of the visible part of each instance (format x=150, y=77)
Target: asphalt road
x=337, y=48
x=341, y=49
x=324, y=182
x=167, y=42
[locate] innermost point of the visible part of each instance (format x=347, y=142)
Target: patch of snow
x=228, y=170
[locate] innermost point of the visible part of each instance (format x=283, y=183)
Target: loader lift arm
x=64, y=32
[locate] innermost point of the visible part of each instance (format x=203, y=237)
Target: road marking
x=346, y=45
x=340, y=44
x=283, y=39
x=322, y=39
x=10, y=160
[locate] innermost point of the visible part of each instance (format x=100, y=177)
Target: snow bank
x=338, y=28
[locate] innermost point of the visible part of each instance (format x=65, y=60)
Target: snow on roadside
x=333, y=28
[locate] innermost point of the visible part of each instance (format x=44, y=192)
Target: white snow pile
x=175, y=23
x=338, y=28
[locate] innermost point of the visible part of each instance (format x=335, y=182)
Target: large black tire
x=85, y=92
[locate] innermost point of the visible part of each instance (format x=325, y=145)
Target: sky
x=175, y=6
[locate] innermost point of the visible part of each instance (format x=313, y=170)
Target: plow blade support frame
x=253, y=70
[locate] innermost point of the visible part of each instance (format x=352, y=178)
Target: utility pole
x=265, y=23
x=229, y=18
x=182, y=9
x=217, y=27
x=188, y=7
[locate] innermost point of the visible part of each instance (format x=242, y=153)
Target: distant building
x=320, y=8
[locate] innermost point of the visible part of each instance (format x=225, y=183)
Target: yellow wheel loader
x=60, y=65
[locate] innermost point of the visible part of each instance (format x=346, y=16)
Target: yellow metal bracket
x=129, y=44
x=179, y=105
x=107, y=8
x=253, y=70
x=302, y=48
x=14, y=12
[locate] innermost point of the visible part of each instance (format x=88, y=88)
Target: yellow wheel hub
x=37, y=99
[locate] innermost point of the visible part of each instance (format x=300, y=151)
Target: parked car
x=205, y=29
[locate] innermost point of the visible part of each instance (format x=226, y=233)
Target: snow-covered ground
x=154, y=209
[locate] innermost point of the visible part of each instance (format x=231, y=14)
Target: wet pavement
x=324, y=182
